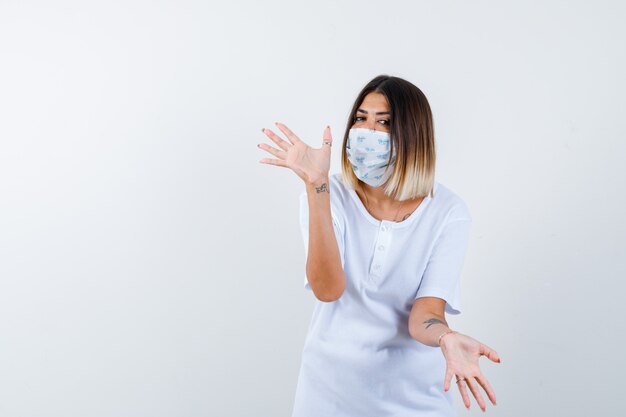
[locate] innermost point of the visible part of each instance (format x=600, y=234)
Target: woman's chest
x=386, y=260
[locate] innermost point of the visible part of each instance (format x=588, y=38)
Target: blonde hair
x=412, y=137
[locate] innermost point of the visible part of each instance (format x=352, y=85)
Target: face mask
x=368, y=151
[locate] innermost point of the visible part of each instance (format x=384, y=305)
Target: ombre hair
x=412, y=136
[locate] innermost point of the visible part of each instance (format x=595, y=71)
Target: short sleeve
x=304, y=228
x=442, y=276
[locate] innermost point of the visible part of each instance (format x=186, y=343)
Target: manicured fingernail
x=263, y=129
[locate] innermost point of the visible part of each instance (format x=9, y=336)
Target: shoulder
x=448, y=204
x=338, y=188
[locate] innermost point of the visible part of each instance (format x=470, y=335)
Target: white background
x=151, y=266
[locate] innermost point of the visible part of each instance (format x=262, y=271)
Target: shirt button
x=381, y=247
x=376, y=266
x=384, y=228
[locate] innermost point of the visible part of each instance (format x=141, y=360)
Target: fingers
x=489, y=352
x=485, y=384
x=277, y=162
x=284, y=145
x=327, y=137
x=447, y=379
x=473, y=386
x=464, y=394
x=290, y=135
x=273, y=151
x=327, y=132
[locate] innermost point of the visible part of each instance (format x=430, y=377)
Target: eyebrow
x=380, y=112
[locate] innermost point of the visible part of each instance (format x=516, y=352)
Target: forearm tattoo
x=322, y=189
x=434, y=321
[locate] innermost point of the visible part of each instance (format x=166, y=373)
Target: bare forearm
x=323, y=267
x=427, y=327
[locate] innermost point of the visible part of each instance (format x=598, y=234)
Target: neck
x=376, y=196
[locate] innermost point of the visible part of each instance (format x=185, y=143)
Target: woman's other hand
x=462, y=353
x=308, y=163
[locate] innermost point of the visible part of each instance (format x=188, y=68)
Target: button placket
x=381, y=248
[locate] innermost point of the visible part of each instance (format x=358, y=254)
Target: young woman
x=385, y=245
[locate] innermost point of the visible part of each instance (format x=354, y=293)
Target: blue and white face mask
x=368, y=150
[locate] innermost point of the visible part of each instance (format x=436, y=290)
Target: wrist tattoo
x=322, y=189
x=434, y=321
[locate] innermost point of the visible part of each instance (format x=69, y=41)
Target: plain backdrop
x=151, y=266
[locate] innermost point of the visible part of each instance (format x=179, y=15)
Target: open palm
x=308, y=163
x=462, y=354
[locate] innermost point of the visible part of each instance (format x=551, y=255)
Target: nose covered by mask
x=368, y=151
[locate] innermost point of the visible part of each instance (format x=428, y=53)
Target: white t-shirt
x=358, y=357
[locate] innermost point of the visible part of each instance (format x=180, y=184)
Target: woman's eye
x=384, y=122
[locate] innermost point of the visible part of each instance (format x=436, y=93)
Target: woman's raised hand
x=308, y=163
x=462, y=353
